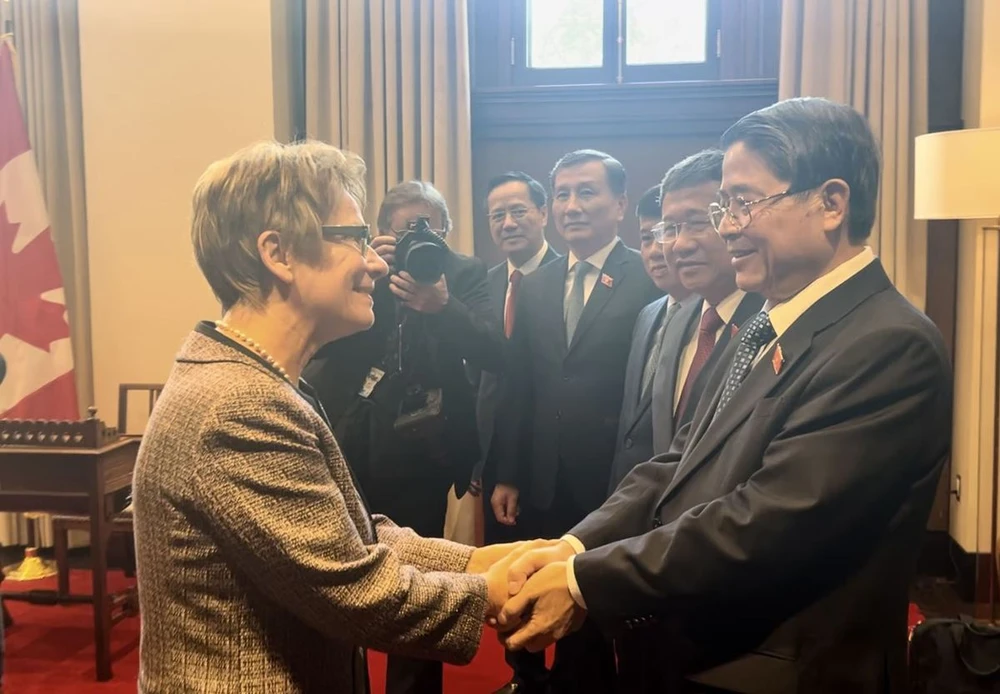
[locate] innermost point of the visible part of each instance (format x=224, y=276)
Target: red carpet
x=51, y=649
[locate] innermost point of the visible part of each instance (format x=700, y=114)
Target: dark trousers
x=584, y=660
x=417, y=503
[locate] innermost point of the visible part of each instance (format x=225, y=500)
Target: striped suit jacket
x=259, y=566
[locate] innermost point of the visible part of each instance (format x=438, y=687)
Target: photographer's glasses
x=360, y=234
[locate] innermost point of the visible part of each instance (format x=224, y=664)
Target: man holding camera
x=403, y=410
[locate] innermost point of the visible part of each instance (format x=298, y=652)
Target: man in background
x=558, y=418
x=705, y=268
x=654, y=328
x=406, y=464
x=517, y=207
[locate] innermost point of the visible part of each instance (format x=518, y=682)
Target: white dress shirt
x=726, y=308
x=782, y=316
x=590, y=281
x=529, y=266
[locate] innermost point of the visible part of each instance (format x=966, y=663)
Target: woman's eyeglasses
x=360, y=234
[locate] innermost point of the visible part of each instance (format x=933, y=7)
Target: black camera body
x=421, y=252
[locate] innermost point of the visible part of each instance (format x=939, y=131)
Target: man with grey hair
x=403, y=409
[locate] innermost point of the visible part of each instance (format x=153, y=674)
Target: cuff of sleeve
x=574, y=543
x=574, y=587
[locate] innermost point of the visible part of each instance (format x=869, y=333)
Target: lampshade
x=957, y=175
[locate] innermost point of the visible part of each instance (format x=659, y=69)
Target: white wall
x=976, y=329
x=168, y=87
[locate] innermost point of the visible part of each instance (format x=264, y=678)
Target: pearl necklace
x=255, y=346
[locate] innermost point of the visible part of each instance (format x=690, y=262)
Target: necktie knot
x=711, y=321
x=515, y=278
x=758, y=332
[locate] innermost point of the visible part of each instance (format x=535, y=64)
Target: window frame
x=615, y=69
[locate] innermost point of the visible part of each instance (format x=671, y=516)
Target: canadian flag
x=34, y=328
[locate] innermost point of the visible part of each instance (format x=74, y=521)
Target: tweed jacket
x=259, y=566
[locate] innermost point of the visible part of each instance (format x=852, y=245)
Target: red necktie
x=508, y=309
x=711, y=321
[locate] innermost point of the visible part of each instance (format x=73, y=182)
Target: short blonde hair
x=267, y=186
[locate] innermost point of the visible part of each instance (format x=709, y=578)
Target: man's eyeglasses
x=360, y=234
x=668, y=233
x=517, y=213
x=738, y=211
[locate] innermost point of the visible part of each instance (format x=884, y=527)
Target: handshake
x=530, y=602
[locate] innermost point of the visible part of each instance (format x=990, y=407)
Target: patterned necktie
x=653, y=358
x=711, y=321
x=757, y=333
x=508, y=309
x=574, y=307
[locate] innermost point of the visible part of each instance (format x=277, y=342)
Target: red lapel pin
x=778, y=360
x=606, y=280
x=734, y=330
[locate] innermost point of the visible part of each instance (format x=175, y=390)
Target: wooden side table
x=72, y=480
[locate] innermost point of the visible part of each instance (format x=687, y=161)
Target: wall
x=976, y=329
x=168, y=87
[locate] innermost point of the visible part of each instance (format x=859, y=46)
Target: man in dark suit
x=705, y=268
x=654, y=327
x=518, y=211
x=771, y=549
x=406, y=474
x=568, y=351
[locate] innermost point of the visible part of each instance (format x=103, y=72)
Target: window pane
x=565, y=33
x=663, y=32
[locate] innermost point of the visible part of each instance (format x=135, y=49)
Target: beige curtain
x=48, y=57
x=389, y=79
x=871, y=54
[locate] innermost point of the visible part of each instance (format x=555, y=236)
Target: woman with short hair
x=260, y=568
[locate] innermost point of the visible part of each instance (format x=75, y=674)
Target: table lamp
x=957, y=176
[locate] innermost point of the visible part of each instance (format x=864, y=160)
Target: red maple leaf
x=24, y=277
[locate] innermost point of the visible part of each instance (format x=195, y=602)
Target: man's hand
x=423, y=298
x=533, y=561
x=483, y=558
x=504, y=503
x=542, y=613
x=385, y=246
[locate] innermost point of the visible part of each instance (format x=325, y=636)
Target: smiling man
x=568, y=351
x=770, y=551
x=704, y=268
x=517, y=207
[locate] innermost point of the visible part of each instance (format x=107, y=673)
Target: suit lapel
x=553, y=310
x=665, y=380
x=611, y=274
x=498, y=290
x=636, y=405
x=762, y=381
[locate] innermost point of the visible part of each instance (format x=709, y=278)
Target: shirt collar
x=596, y=259
x=787, y=312
x=727, y=307
x=530, y=265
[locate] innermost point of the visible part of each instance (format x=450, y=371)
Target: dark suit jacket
x=489, y=383
x=780, y=539
x=648, y=427
x=467, y=329
x=665, y=381
x=562, y=404
x=634, y=444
